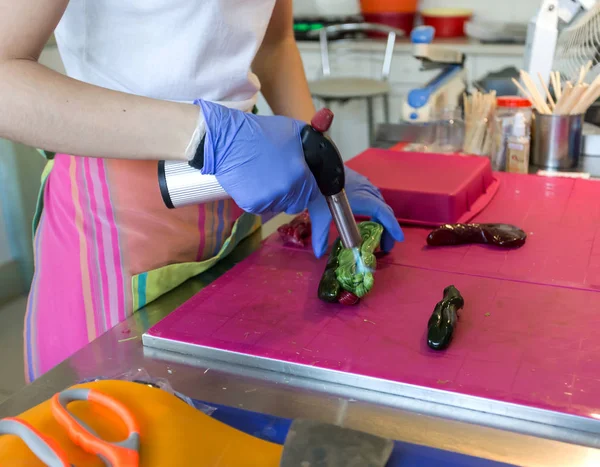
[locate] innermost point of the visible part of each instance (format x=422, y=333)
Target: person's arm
x=279, y=67
x=44, y=109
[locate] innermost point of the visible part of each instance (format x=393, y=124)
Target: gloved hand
x=365, y=200
x=258, y=161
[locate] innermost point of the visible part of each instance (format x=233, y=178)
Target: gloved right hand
x=258, y=160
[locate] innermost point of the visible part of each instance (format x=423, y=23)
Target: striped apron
x=105, y=245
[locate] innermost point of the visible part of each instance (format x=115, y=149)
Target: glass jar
x=449, y=130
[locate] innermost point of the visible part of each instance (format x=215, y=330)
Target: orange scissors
x=122, y=454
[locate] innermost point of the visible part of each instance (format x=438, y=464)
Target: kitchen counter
x=466, y=45
x=120, y=350
x=403, y=45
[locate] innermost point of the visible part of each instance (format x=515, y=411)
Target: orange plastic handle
x=115, y=453
x=44, y=447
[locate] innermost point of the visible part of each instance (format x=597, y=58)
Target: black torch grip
x=324, y=161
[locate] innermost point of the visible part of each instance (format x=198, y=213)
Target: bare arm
x=279, y=67
x=47, y=110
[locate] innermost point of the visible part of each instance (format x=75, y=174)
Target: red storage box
x=389, y=6
x=403, y=21
x=429, y=189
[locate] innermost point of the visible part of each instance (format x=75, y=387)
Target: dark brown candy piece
x=502, y=235
x=297, y=232
x=442, y=322
x=348, y=298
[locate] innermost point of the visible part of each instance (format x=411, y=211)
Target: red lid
x=513, y=101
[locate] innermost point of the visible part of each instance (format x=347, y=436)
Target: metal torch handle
x=182, y=185
x=344, y=220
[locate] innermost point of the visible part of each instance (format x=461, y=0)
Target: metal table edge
x=430, y=401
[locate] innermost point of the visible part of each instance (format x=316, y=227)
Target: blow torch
x=182, y=185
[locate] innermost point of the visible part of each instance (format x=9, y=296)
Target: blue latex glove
x=258, y=161
x=365, y=200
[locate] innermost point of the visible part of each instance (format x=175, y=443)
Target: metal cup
x=557, y=141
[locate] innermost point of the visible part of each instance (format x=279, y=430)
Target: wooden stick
x=489, y=134
x=589, y=97
x=547, y=91
x=522, y=89
x=578, y=91
x=558, y=87
x=468, y=102
x=564, y=99
x=527, y=93
x=477, y=122
x=554, y=85
x=468, y=130
x=533, y=90
x=584, y=71
x=476, y=102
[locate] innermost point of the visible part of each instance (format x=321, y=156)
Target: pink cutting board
x=522, y=343
x=527, y=334
x=561, y=217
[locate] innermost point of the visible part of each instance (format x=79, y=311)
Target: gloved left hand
x=365, y=200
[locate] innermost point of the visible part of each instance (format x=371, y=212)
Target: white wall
x=51, y=58
x=497, y=10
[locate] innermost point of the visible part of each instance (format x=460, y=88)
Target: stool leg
x=370, y=120
x=386, y=107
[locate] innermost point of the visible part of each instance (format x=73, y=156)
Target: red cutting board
x=527, y=335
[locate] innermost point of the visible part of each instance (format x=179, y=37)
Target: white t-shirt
x=177, y=50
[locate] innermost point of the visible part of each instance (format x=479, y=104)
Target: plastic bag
x=142, y=376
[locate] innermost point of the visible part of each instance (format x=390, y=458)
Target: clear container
x=479, y=134
x=449, y=131
x=517, y=153
x=506, y=109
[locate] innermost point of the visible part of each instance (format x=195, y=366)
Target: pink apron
x=105, y=245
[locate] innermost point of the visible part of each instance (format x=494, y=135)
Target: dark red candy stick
x=348, y=298
x=322, y=120
x=297, y=232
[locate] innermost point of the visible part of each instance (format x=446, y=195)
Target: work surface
x=526, y=336
x=120, y=351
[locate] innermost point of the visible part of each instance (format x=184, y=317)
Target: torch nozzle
x=344, y=220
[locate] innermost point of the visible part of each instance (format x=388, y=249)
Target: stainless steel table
x=120, y=350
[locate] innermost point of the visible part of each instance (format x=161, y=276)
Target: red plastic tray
x=429, y=189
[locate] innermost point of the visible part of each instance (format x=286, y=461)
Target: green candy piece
x=332, y=261
x=360, y=282
x=329, y=287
